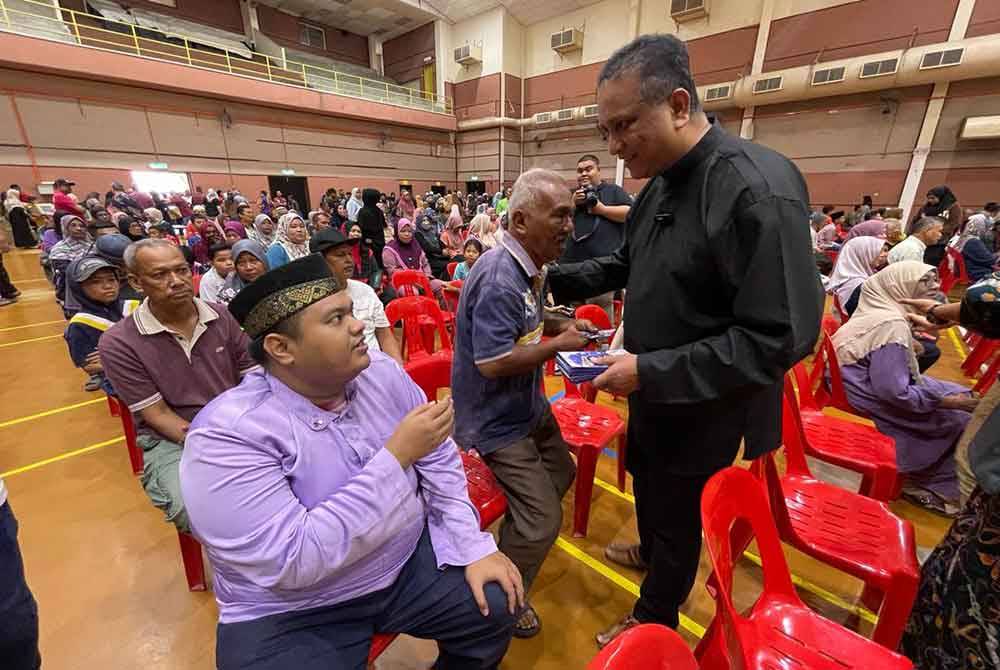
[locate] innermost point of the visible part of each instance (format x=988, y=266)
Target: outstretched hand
x=622, y=376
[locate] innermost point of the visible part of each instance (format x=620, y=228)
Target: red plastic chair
x=832, y=255
x=416, y=312
x=778, y=631
x=194, y=566
x=951, y=270
x=619, y=308
x=451, y=298
x=847, y=531
x=409, y=283
x=646, y=647
x=850, y=445
x=989, y=377
x=830, y=393
x=451, y=269
x=588, y=429
x=844, y=316
x=430, y=374
x=983, y=351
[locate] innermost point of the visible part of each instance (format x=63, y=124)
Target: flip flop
x=930, y=501
x=530, y=630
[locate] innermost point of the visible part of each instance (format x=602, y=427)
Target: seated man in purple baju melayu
x=331, y=501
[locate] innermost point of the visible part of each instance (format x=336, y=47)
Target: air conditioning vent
x=718, y=93
x=980, y=128
x=768, y=85
x=879, y=68
x=567, y=40
x=946, y=58
x=469, y=54
x=687, y=10
x=590, y=112
x=828, y=76
x=566, y=114
x=543, y=117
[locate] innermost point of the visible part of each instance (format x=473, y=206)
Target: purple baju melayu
x=880, y=385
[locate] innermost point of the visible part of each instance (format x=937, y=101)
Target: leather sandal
x=605, y=638
x=625, y=554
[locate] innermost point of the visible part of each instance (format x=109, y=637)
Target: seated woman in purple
x=404, y=253
x=878, y=361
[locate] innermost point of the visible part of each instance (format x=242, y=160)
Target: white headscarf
x=257, y=235
x=293, y=250
x=855, y=264
x=880, y=319
x=13, y=199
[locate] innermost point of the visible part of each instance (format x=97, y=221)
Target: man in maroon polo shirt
x=167, y=360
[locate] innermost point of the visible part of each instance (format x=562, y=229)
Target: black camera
x=590, y=197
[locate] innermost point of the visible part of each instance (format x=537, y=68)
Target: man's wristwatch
x=933, y=319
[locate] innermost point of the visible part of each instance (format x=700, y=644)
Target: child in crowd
x=93, y=284
x=221, y=257
x=472, y=250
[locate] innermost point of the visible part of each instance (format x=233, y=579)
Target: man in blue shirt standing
x=500, y=406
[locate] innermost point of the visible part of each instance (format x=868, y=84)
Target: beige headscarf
x=880, y=319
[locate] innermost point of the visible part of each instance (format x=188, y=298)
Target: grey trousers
x=535, y=473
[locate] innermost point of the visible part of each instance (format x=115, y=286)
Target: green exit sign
x=158, y=166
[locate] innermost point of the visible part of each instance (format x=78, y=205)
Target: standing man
x=62, y=201
x=500, y=407
x=18, y=610
x=598, y=222
x=723, y=298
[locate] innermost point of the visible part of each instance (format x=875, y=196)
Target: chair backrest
x=844, y=316
x=829, y=325
x=805, y=384
x=451, y=298
x=649, y=647
x=956, y=257
x=793, y=435
x=733, y=498
x=431, y=373
x=451, y=269
x=409, y=310
x=826, y=361
x=407, y=283
x=596, y=315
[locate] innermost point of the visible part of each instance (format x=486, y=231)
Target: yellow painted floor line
x=32, y=325
x=61, y=457
x=32, y=339
x=621, y=580
x=28, y=281
x=803, y=584
x=50, y=412
x=953, y=336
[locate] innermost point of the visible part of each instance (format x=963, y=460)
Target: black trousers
x=7, y=289
x=668, y=510
x=18, y=612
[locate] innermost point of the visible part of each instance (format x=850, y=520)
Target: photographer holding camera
x=598, y=222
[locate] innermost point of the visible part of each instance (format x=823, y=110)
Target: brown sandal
x=528, y=624
x=605, y=638
x=625, y=554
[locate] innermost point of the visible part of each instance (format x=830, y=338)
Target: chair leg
x=586, y=469
x=895, y=611
x=112, y=406
x=194, y=566
x=622, y=447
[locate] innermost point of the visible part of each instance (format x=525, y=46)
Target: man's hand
x=585, y=326
x=962, y=401
x=579, y=197
x=495, y=568
x=421, y=432
x=622, y=376
x=92, y=364
x=922, y=305
x=570, y=339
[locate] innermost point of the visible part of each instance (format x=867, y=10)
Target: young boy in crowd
x=212, y=281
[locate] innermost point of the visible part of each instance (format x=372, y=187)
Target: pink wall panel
x=403, y=57
x=723, y=56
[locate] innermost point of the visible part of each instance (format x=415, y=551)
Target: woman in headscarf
x=209, y=234
x=429, y=240
x=249, y=262
x=942, y=203
x=355, y=203
x=858, y=260
x=153, y=217
x=878, y=362
x=953, y=624
x=234, y=232
x=978, y=259
x=129, y=227
x=404, y=253
x=291, y=242
x=372, y=222
x=454, y=235
x=484, y=230
x=262, y=231
x=74, y=245
x=93, y=287
x=405, y=207
x=20, y=222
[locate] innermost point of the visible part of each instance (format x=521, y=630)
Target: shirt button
x=317, y=423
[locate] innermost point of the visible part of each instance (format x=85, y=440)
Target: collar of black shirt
x=681, y=169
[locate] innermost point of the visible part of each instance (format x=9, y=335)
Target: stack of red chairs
x=422, y=320
x=778, y=631
x=951, y=270
x=848, y=531
x=414, y=283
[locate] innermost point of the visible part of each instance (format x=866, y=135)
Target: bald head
x=540, y=214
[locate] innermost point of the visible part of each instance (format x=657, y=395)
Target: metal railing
x=98, y=32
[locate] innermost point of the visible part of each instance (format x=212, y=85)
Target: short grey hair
x=132, y=250
x=662, y=63
x=925, y=222
x=529, y=185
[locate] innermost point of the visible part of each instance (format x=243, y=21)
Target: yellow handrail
x=86, y=34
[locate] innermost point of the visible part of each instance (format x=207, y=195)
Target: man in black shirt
x=598, y=219
x=722, y=299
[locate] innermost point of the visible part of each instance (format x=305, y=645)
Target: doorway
x=406, y=187
x=477, y=187
x=295, y=186
x=439, y=190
